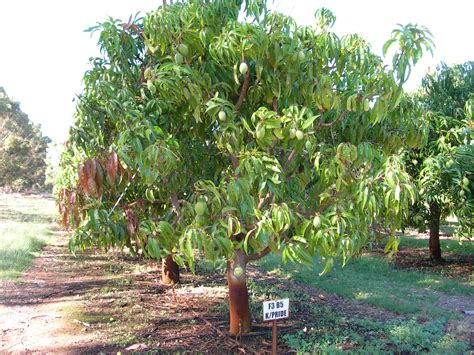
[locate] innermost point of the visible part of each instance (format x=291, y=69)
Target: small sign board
x=278, y=309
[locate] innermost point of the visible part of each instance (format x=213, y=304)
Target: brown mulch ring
x=453, y=265
x=108, y=303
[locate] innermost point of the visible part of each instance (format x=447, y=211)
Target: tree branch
x=275, y=104
x=290, y=158
x=234, y=161
x=323, y=205
x=259, y=255
x=243, y=90
x=176, y=205
x=263, y=200
x=174, y=202
x=321, y=123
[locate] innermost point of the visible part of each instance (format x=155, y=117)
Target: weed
x=123, y=281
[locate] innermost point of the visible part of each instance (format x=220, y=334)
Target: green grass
x=26, y=224
x=321, y=329
x=375, y=281
x=458, y=247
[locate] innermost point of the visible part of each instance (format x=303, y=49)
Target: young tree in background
x=444, y=167
x=22, y=148
x=198, y=131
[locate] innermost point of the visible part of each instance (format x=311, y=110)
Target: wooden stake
x=274, y=337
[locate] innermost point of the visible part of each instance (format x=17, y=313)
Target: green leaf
x=308, y=122
x=397, y=193
x=327, y=266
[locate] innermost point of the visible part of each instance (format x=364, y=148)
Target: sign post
x=272, y=311
x=274, y=337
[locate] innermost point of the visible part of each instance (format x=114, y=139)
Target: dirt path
x=108, y=303
x=33, y=314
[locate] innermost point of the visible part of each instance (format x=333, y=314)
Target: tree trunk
x=435, y=246
x=169, y=271
x=240, y=321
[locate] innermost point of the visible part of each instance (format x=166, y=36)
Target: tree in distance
x=22, y=148
x=303, y=161
x=444, y=168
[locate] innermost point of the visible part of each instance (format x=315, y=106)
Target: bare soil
x=32, y=311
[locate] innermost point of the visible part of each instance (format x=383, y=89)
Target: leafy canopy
x=197, y=129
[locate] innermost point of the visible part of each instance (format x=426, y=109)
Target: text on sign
x=277, y=309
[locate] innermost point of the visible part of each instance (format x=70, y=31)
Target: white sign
x=278, y=309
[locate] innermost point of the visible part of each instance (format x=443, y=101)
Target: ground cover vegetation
x=25, y=227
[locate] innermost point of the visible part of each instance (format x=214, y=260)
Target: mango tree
x=444, y=167
x=199, y=133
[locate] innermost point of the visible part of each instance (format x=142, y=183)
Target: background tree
x=22, y=148
x=198, y=131
x=444, y=167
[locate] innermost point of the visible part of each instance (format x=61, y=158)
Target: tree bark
x=240, y=321
x=435, y=246
x=169, y=271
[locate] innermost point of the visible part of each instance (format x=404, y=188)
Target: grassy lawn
x=26, y=224
x=374, y=280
